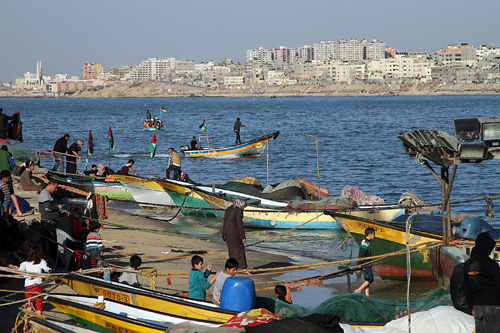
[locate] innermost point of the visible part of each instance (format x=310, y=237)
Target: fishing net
x=359, y=308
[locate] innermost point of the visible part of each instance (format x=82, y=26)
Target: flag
x=90, y=145
x=162, y=110
x=111, y=141
x=152, y=146
x=203, y=126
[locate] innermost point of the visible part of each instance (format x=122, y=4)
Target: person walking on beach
x=482, y=285
x=71, y=164
x=174, y=164
x=365, y=250
x=237, y=126
x=60, y=148
x=233, y=233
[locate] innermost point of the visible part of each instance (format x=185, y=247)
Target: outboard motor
x=472, y=226
x=184, y=148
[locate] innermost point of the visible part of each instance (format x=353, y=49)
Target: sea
x=349, y=141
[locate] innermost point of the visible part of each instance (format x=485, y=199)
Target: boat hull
x=110, y=187
x=108, y=316
x=253, y=148
x=391, y=239
x=183, y=196
x=146, y=192
x=156, y=301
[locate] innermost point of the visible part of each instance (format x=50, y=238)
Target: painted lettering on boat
x=110, y=189
x=365, y=225
x=111, y=295
x=118, y=329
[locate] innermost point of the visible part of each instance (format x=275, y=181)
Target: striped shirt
x=94, y=241
x=5, y=192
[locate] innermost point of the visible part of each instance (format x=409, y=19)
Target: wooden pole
x=151, y=169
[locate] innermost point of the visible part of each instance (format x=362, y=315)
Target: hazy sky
x=64, y=34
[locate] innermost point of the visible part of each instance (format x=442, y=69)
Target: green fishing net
x=358, y=307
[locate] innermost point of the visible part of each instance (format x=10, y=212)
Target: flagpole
x=87, y=159
x=151, y=169
x=206, y=132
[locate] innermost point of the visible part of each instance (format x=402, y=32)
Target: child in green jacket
x=198, y=280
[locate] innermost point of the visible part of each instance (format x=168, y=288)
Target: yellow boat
x=109, y=316
x=153, y=300
x=40, y=325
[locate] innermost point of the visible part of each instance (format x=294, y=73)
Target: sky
x=66, y=34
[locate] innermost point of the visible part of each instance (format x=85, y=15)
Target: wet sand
x=162, y=248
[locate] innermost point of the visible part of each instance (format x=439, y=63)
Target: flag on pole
x=90, y=145
x=203, y=126
x=152, y=146
x=111, y=141
x=162, y=110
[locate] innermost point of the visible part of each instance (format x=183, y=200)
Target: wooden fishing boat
x=153, y=300
x=260, y=215
x=251, y=148
x=109, y=316
x=108, y=186
x=391, y=237
x=40, y=325
x=146, y=192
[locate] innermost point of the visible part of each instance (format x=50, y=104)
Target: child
x=198, y=283
x=94, y=245
x=33, y=285
x=7, y=195
x=229, y=270
x=132, y=277
x=365, y=250
x=281, y=292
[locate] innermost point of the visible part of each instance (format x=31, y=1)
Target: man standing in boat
x=174, y=164
x=60, y=148
x=237, y=126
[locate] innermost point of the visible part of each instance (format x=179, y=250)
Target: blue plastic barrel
x=238, y=294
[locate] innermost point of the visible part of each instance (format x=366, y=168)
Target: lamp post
x=317, y=162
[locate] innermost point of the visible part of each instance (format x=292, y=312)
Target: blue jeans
x=487, y=318
x=238, y=139
x=59, y=162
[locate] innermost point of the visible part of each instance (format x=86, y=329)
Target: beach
x=166, y=251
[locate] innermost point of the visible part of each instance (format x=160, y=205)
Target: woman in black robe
x=233, y=233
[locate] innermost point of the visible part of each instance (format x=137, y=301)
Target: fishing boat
x=251, y=148
x=153, y=300
x=261, y=215
x=145, y=191
x=110, y=316
x=40, y=325
x=74, y=186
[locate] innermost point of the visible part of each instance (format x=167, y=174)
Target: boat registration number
x=111, y=295
x=119, y=329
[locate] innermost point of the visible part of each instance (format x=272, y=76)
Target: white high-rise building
x=374, y=50
x=325, y=50
x=151, y=69
x=260, y=56
x=350, y=50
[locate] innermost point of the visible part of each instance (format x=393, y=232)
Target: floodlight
x=491, y=134
x=473, y=152
x=467, y=129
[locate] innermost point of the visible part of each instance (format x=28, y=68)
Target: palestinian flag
x=90, y=145
x=152, y=146
x=111, y=141
x=203, y=126
x=162, y=110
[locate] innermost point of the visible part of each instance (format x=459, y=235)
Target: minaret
x=39, y=71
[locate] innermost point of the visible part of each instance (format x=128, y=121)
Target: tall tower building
x=91, y=71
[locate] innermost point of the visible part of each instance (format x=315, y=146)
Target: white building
x=374, y=50
x=325, y=50
x=260, y=56
x=151, y=69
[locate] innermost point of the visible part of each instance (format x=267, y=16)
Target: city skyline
x=64, y=35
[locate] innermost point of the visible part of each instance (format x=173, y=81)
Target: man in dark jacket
x=4, y=125
x=482, y=285
x=60, y=148
x=47, y=206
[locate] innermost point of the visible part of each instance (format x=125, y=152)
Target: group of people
x=152, y=122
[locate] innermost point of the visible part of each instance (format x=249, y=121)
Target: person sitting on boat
x=128, y=167
x=101, y=170
x=28, y=181
x=92, y=171
x=194, y=144
x=174, y=164
x=131, y=278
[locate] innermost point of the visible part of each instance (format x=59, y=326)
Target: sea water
x=356, y=140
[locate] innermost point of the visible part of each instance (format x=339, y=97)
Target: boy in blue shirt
x=365, y=250
x=198, y=280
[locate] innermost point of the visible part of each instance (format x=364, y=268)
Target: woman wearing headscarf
x=233, y=233
x=71, y=164
x=101, y=170
x=28, y=181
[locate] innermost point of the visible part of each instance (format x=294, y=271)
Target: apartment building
x=456, y=54
x=326, y=50
x=374, y=50
x=305, y=53
x=260, y=56
x=90, y=71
